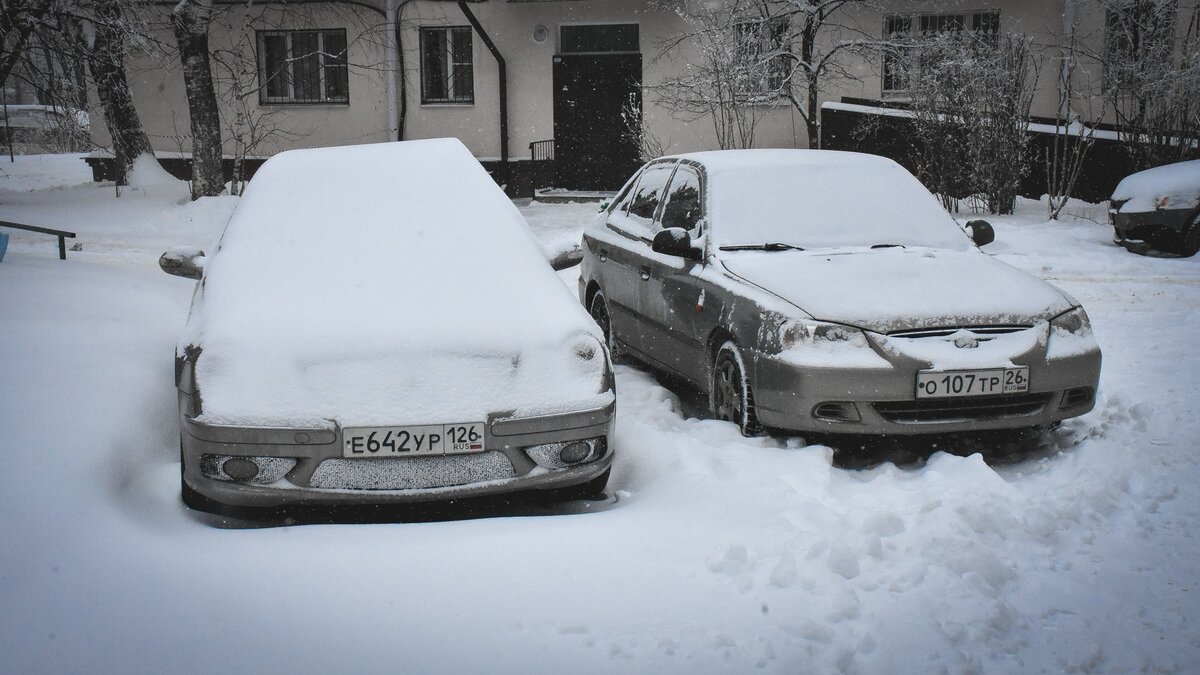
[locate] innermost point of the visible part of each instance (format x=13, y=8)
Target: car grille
x=411, y=473
x=927, y=411
x=946, y=331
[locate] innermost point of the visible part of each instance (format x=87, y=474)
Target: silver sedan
x=830, y=292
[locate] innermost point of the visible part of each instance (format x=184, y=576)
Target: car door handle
x=603, y=255
x=645, y=274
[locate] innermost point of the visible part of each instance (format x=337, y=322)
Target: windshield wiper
x=773, y=246
x=888, y=246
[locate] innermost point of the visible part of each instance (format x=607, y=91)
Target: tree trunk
x=106, y=58
x=190, y=21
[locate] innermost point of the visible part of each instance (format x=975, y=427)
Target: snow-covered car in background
x=378, y=325
x=1159, y=209
x=830, y=292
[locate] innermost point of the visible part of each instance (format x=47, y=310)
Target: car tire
x=730, y=396
x=598, y=309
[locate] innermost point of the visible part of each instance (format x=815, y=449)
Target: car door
x=621, y=258
x=670, y=292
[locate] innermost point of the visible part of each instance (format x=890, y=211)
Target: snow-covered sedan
x=1159, y=210
x=830, y=292
x=378, y=325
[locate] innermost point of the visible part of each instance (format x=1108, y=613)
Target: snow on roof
x=1172, y=186
x=347, y=274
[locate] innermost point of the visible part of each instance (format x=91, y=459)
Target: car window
x=621, y=203
x=648, y=194
x=683, y=200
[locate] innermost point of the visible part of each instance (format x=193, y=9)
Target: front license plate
x=429, y=439
x=991, y=382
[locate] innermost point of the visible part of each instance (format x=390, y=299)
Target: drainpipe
x=503, y=78
x=392, y=49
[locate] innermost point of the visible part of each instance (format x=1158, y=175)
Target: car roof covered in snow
x=1171, y=186
x=821, y=198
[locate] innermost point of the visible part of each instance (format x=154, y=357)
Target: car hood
x=893, y=289
x=395, y=387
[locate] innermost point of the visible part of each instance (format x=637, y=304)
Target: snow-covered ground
x=715, y=553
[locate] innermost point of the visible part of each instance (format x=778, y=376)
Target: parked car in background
x=1159, y=210
x=378, y=325
x=829, y=292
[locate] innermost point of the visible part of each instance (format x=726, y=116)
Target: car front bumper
x=305, y=467
x=1150, y=224
x=882, y=400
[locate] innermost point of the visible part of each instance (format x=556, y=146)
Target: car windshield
x=803, y=200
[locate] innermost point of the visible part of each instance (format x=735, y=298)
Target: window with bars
x=903, y=34
x=447, y=65
x=756, y=40
x=303, y=66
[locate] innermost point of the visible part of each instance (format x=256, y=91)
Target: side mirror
x=675, y=241
x=603, y=207
x=981, y=232
x=567, y=259
x=183, y=261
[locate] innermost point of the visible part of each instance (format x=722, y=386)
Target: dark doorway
x=593, y=149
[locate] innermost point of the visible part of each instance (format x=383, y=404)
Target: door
x=671, y=291
x=593, y=149
x=624, y=260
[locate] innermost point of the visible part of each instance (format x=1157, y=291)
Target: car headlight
x=1074, y=322
x=808, y=333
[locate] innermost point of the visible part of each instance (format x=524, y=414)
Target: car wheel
x=599, y=312
x=730, y=397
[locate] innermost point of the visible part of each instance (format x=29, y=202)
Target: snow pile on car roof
x=821, y=198
x=384, y=284
x=1173, y=186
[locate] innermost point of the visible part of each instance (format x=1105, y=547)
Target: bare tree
x=971, y=96
x=1150, y=56
x=758, y=53
x=106, y=58
x=1074, y=135
x=634, y=128
x=715, y=81
x=190, y=20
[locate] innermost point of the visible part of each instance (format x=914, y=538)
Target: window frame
x=778, y=32
x=565, y=27
x=984, y=21
x=288, y=74
x=451, y=65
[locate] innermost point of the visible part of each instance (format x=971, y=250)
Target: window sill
x=448, y=104
x=322, y=104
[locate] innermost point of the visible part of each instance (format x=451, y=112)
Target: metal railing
x=61, y=234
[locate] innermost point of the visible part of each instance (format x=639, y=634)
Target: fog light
x=574, y=453
x=837, y=411
x=240, y=469
x=1075, y=397
x=565, y=454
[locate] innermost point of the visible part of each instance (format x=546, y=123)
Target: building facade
x=513, y=79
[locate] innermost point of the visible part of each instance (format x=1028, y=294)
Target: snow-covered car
x=1159, y=209
x=378, y=325
x=830, y=292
